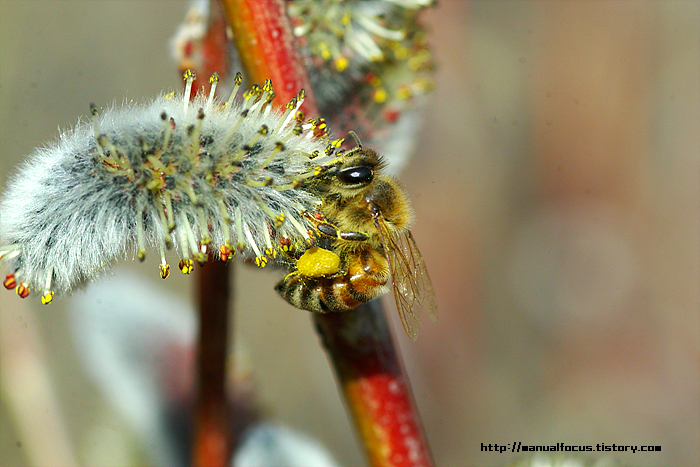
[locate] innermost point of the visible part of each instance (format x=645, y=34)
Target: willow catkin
x=205, y=177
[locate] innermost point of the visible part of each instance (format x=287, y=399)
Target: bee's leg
x=331, y=231
x=327, y=229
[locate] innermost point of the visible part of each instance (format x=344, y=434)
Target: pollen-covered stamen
x=48, y=293
x=288, y=115
x=260, y=259
x=141, y=254
x=163, y=266
x=186, y=266
x=201, y=255
x=251, y=96
x=47, y=297
x=267, y=86
x=213, y=81
x=333, y=145
x=286, y=244
x=316, y=128
x=189, y=76
x=236, y=85
x=268, y=93
x=265, y=108
x=298, y=129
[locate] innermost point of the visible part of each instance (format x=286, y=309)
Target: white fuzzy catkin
x=232, y=175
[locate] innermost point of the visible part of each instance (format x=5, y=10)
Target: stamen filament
x=213, y=81
x=236, y=84
x=189, y=76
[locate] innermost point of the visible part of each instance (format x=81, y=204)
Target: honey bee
x=363, y=225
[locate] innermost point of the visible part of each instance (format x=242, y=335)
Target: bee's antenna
x=356, y=138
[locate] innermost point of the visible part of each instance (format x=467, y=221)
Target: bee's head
x=358, y=168
x=359, y=194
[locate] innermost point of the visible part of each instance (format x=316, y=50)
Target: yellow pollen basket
x=317, y=262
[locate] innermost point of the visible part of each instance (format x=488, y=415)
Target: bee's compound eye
x=356, y=175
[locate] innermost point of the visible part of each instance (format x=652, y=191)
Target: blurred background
x=557, y=189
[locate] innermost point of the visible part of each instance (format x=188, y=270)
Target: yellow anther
x=267, y=85
x=214, y=78
x=261, y=261
x=47, y=298
x=164, y=270
x=186, y=266
x=141, y=255
x=189, y=75
x=201, y=258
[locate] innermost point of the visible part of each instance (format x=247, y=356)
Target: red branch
x=359, y=344
x=268, y=49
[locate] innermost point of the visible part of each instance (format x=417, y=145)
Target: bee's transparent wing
x=413, y=290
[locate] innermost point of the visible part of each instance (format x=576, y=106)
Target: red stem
x=359, y=344
x=267, y=49
x=375, y=386
x=212, y=441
